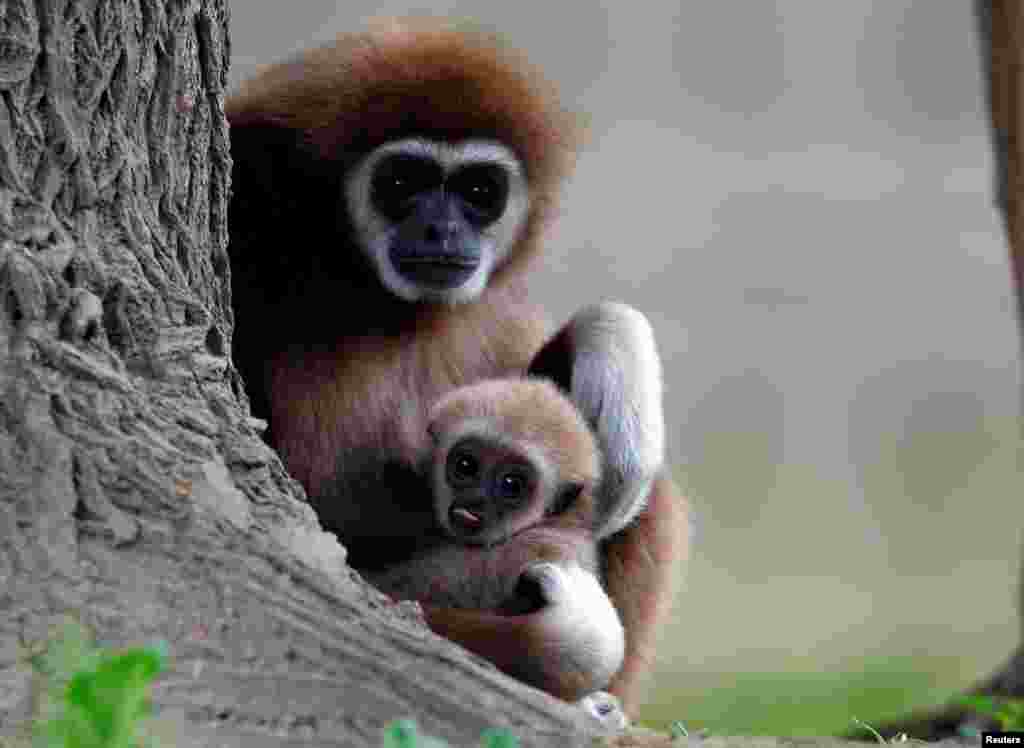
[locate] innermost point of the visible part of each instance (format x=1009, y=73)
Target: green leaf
x=498, y=737
x=401, y=734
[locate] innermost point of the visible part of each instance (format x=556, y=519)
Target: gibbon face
x=443, y=148
x=508, y=455
x=434, y=218
x=487, y=487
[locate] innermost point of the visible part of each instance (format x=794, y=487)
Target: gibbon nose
x=442, y=232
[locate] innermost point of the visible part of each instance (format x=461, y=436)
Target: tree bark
x=1002, y=32
x=134, y=487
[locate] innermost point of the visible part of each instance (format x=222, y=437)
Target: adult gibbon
x=389, y=193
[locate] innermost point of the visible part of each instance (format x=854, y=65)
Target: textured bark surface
x=134, y=489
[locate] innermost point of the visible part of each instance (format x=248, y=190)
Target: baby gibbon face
x=435, y=218
x=487, y=489
x=508, y=455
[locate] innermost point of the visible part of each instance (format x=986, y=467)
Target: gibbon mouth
x=464, y=520
x=443, y=271
x=447, y=260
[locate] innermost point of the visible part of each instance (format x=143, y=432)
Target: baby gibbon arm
x=570, y=647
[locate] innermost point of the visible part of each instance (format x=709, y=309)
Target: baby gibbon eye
x=463, y=467
x=512, y=485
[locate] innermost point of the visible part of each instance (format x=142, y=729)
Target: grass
x=1007, y=713
x=91, y=697
x=802, y=704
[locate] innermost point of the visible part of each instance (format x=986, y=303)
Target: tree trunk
x=1001, y=27
x=1001, y=23
x=1002, y=32
x=134, y=488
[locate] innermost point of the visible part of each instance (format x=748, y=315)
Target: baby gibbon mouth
x=463, y=519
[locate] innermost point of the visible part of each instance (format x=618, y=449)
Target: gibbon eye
x=398, y=179
x=463, y=467
x=484, y=189
x=512, y=485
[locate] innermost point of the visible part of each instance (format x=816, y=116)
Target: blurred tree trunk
x=1001, y=27
x=134, y=488
x=1001, y=23
x=1002, y=33
x=1004, y=50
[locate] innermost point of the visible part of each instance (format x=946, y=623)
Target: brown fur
x=642, y=569
x=469, y=594
x=421, y=76
x=343, y=371
x=532, y=411
x=346, y=98
x=513, y=646
x=384, y=384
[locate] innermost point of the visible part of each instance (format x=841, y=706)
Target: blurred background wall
x=798, y=195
